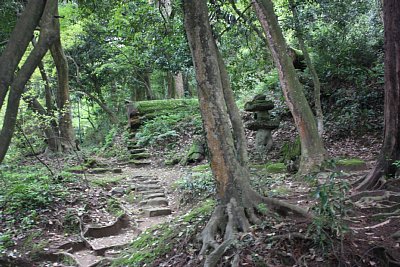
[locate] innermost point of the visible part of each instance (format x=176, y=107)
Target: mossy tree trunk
x=317, y=85
x=66, y=129
x=312, y=149
x=237, y=200
x=391, y=144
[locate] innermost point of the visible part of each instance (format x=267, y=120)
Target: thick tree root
x=233, y=219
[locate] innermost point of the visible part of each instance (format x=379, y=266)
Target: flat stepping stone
x=107, y=242
x=139, y=163
x=155, y=195
x=147, y=187
x=158, y=201
x=153, y=191
x=148, y=182
x=143, y=155
x=137, y=150
x=154, y=212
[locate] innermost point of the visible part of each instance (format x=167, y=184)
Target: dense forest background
x=93, y=89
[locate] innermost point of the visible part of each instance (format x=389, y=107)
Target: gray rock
x=158, y=201
x=153, y=212
x=117, y=191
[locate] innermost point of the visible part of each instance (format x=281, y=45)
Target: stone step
x=137, y=156
x=154, y=195
x=152, y=191
x=148, y=182
x=158, y=201
x=140, y=188
x=154, y=212
x=139, y=163
x=136, y=150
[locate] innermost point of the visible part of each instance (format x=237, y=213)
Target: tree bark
x=47, y=37
x=170, y=85
x=317, y=85
x=110, y=113
x=147, y=84
x=18, y=43
x=391, y=144
x=312, y=149
x=179, y=90
x=63, y=96
x=237, y=200
x=50, y=130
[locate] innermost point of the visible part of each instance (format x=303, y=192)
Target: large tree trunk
x=391, y=144
x=17, y=44
x=312, y=149
x=317, y=85
x=237, y=200
x=47, y=37
x=63, y=100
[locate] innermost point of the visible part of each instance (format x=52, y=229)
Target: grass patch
x=201, y=168
x=25, y=190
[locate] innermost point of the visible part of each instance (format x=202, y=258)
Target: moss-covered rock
x=154, y=108
x=353, y=164
x=76, y=169
x=276, y=168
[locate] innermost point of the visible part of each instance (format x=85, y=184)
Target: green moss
x=201, y=168
x=155, y=108
x=276, y=168
x=205, y=209
x=76, y=169
x=291, y=150
x=350, y=162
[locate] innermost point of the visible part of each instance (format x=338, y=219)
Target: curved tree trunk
x=317, y=85
x=47, y=37
x=237, y=200
x=19, y=41
x=312, y=149
x=63, y=100
x=391, y=144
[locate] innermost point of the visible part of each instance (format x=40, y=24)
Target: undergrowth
x=156, y=242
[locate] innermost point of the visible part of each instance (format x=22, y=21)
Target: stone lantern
x=262, y=123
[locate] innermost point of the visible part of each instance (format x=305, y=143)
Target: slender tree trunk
x=63, y=96
x=179, y=91
x=147, y=84
x=317, y=85
x=104, y=107
x=50, y=130
x=186, y=86
x=46, y=38
x=18, y=43
x=391, y=144
x=237, y=200
x=312, y=149
x=170, y=86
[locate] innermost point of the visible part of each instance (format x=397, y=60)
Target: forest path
x=125, y=205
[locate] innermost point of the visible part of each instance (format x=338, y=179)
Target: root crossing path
x=142, y=198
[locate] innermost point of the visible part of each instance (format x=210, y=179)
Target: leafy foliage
x=330, y=209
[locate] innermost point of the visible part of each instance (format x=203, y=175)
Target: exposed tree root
x=232, y=219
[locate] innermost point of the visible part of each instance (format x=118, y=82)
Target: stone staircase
x=139, y=156
x=100, y=244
